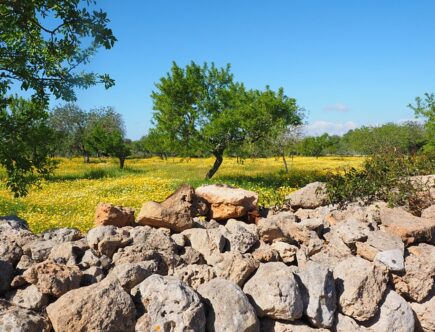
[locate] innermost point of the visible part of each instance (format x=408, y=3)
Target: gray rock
x=228, y=308
x=131, y=274
x=276, y=227
x=349, y=231
x=242, y=237
x=425, y=314
x=269, y=325
x=61, y=235
x=104, y=306
x=378, y=241
x=92, y=275
x=346, y=324
x=10, y=252
x=287, y=252
x=195, y=275
x=29, y=298
x=17, y=319
x=395, y=315
x=39, y=250
x=6, y=275
x=360, y=287
x=208, y=242
x=25, y=263
x=274, y=292
x=66, y=253
x=318, y=294
x=107, y=239
x=234, y=266
x=170, y=304
x=311, y=196
x=153, y=239
x=265, y=253
x=179, y=239
x=392, y=259
x=191, y=256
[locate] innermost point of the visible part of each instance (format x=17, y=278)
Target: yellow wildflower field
x=70, y=197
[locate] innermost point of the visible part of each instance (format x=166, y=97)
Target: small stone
x=392, y=259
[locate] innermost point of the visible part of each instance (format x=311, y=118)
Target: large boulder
x=228, y=202
x=395, y=315
x=411, y=229
x=16, y=319
x=360, y=287
x=425, y=314
x=109, y=214
x=227, y=307
x=274, y=292
x=318, y=294
x=53, y=279
x=418, y=280
x=169, y=305
x=311, y=196
x=104, y=306
x=176, y=212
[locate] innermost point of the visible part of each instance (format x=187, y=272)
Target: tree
x=200, y=109
x=24, y=152
x=425, y=108
x=42, y=44
x=314, y=145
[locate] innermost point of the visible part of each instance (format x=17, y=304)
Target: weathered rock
x=39, y=250
x=13, y=223
x=107, y=239
x=92, y=258
x=109, y=214
x=346, y=324
x=92, y=275
x=334, y=252
x=66, y=253
x=10, y=252
x=17, y=319
x=60, y=235
x=241, y=237
x=287, y=252
x=131, y=274
x=6, y=275
x=179, y=239
x=234, y=266
x=170, y=304
x=175, y=212
x=29, y=298
x=395, y=315
x=269, y=325
x=209, y=242
x=376, y=242
x=274, y=292
x=419, y=277
x=265, y=253
x=429, y=213
x=360, y=287
x=191, y=256
x=392, y=259
x=104, y=306
x=311, y=196
x=228, y=308
x=53, y=279
x=227, y=202
x=425, y=314
x=318, y=294
x=281, y=227
x=195, y=275
x=411, y=229
x=349, y=231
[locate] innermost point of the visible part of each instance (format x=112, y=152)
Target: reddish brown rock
x=109, y=214
x=228, y=202
x=411, y=229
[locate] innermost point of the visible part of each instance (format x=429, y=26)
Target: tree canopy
x=425, y=108
x=202, y=110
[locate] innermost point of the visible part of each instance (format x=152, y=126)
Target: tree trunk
x=121, y=162
x=285, y=162
x=217, y=163
x=86, y=157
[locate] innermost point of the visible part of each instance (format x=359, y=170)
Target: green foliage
x=201, y=110
x=25, y=145
x=425, y=108
x=386, y=176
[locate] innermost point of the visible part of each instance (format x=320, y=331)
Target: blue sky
x=348, y=63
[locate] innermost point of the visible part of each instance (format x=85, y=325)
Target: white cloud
x=337, y=107
x=320, y=127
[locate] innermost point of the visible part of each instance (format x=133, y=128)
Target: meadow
x=69, y=198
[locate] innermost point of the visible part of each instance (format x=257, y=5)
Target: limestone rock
x=195, y=275
x=318, y=294
x=269, y=325
x=66, y=253
x=235, y=266
x=39, y=250
x=282, y=227
x=60, y=235
x=131, y=274
x=350, y=231
x=170, y=304
x=392, y=259
x=17, y=319
x=241, y=237
x=29, y=298
x=425, y=313
x=287, y=252
x=107, y=239
x=209, y=242
x=360, y=287
x=274, y=292
x=92, y=275
x=6, y=275
x=395, y=315
x=311, y=196
x=228, y=308
x=104, y=306
x=192, y=256
x=378, y=241
x=179, y=239
x=419, y=277
x=429, y=213
x=109, y=214
x=228, y=202
x=411, y=229
x=175, y=212
x=346, y=324
x=53, y=279
x=10, y=252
